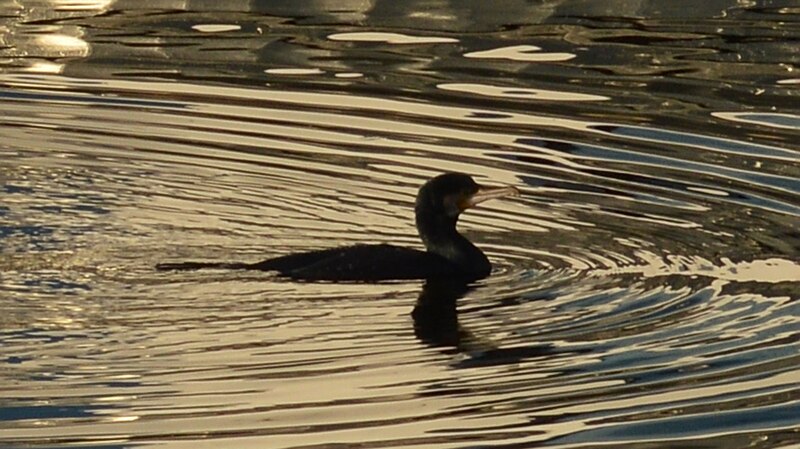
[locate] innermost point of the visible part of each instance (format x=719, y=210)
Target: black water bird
x=448, y=254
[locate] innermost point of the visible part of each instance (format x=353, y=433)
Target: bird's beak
x=488, y=193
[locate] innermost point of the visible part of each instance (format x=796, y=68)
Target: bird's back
x=361, y=263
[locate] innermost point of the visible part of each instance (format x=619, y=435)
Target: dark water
x=646, y=283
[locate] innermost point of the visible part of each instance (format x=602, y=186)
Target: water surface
x=646, y=282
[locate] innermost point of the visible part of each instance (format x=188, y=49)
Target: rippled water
x=646, y=283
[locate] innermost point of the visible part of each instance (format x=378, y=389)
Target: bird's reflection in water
x=436, y=324
x=435, y=315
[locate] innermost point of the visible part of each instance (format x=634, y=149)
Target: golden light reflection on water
x=390, y=38
x=37, y=47
x=32, y=50
x=631, y=287
x=216, y=27
x=523, y=93
x=785, y=121
x=294, y=71
x=79, y=5
x=524, y=53
x=766, y=270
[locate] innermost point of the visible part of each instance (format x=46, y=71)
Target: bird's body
x=448, y=254
x=367, y=263
x=362, y=262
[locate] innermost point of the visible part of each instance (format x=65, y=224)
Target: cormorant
x=448, y=254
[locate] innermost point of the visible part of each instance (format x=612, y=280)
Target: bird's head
x=449, y=194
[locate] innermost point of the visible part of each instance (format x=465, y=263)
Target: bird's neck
x=441, y=238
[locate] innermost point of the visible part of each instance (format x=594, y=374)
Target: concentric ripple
x=645, y=288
